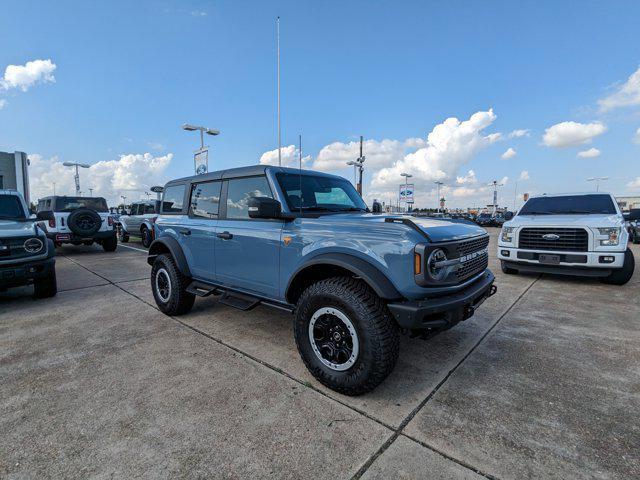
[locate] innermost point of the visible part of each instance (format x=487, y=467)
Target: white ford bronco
x=79, y=220
x=571, y=234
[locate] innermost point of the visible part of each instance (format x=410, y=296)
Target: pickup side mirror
x=508, y=216
x=633, y=214
x=264, y=207
x=45, y=216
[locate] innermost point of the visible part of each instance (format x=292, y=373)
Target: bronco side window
x=205, y=199
x=239, y=192
x=173, y=199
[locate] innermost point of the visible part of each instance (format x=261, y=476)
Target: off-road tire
x=45, y=287
x=145, y=234
x=179, y=300
x=377, y=332
x=84, y=222
x=622, y=275
x=110, y=244
x=123, y=236
x=636, y=238
x=506, y=270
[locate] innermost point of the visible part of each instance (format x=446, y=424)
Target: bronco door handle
x=225, y=235
x=185, y=232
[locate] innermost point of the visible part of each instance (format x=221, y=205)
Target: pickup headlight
x=507, y=234
x=613, y=234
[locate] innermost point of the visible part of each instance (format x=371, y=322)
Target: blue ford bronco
x=306, y=242
x=26, y=255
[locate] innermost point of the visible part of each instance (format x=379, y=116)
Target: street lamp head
x=73, y=164
x=189, y=127
x=351, y=162
x=211, y=131
x=408, y=175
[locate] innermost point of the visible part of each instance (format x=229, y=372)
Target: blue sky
x=127, y=74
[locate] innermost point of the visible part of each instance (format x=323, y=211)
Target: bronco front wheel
x=169, y=287
x=345, y=335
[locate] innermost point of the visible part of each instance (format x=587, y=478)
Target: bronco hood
x=445, y=230
x=10, y=228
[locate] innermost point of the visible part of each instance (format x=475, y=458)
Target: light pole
x=124, y=200
x=77, y=175
x=495, y=195
x=358, y=165
x=438, y=185
x=597, y=180
x=209, y=131
x=406, y=179
x=91, y=192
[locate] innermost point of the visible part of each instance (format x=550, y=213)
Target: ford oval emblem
x=551, y=236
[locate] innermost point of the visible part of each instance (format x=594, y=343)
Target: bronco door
x=247, y=249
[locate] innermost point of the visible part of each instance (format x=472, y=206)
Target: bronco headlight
x=435, y=269
x=33, y=245
x=613, y=234
x=507, y=234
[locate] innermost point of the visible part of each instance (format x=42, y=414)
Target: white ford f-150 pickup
x=571, y=234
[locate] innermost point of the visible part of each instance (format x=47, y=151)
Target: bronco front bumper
x=24, y=273
x=444, y=311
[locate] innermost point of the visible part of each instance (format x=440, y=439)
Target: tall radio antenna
x=279, y=131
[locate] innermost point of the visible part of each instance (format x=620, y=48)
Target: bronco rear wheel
x=346, y=335
x=146, y=237
x=169, y=287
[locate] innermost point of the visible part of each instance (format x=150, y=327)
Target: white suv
x=139, y=222
x=79, y=220
x=571, y=234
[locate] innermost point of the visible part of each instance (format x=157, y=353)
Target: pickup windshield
x=317, y=193
x=68, y=204
x=569, y=205
x=11, y=208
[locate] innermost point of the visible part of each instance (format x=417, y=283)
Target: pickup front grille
x=568, y=239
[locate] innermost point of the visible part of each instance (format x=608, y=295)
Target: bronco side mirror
x=264, y=207
x=508, y=216
x=45, y=216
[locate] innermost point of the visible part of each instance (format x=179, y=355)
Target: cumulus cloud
x=636, y=137
x=625, y=95
x=470, y=177
x=519, y=133
x=130, y=175
x=524, y=175
x=591, y=153
x=635, y=184
x=450, y=145
x=2, y=103
x=510, y=153
x=570, y=134
x=377, y=153
x=27, y=75
x=290, y=157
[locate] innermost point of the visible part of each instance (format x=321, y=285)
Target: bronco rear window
x=569, y=205
x=68, y=204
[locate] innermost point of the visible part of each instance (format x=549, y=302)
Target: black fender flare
x=377, y=280
x=161, y=245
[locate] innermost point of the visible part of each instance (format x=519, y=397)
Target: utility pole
x=438, y=184
x=54, y=189
x=279, y=130
x=358, y=165
x=76, y=177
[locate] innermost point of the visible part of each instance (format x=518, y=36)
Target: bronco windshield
x=68, y=204
x=569, y=205
x=320, y=194
x=11, y=208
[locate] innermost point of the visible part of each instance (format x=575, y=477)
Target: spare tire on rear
x=84, y=222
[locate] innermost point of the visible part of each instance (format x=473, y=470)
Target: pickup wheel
x=622, y=275
x=110, y=244
x=123, y=236
x=146, y=237
x=346, y=335
x=45, y=287
x=169, y=287
x=507, y=270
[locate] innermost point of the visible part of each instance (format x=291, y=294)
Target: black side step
x=200, y=289
x=239, y=301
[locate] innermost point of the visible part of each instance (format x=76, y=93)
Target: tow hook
x=493, y=290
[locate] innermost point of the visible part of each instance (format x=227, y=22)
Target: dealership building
x=14, y=172
x=628, y=203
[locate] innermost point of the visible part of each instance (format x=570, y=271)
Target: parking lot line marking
x=414, y=412
x=133, y=248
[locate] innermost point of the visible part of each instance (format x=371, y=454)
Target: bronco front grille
x=13, y=248
x=473, y=266
x=466, y=247
x=566, y=239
